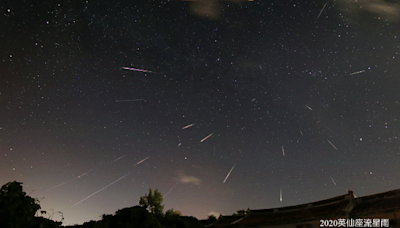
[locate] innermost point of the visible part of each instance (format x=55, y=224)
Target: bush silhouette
x=17, y=210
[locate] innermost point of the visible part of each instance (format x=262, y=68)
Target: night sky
x=294, y=100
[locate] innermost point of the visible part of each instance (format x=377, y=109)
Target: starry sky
x=299, y=98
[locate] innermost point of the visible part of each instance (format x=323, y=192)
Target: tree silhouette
x=18, y=210
x=176, y=221
x=136, y=217
x=242, y=212
x=152, y=202
x=211, y=219
x=171, y=212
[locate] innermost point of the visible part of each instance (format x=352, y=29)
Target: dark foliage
x=176, y=221
x=139, y=217
x=211, y=219
x=152, y=202
x=17, y=210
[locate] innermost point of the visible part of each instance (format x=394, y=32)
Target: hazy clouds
x=187, y=179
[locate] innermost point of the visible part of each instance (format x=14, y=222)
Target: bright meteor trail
x=190, y=125
x=229, y=173
x=102, y=189
x=129, y=100
x=142, y=161
x=68, y=181
x=208, y=136
x=321, y=11
x=135, y=69
x=119, y=158
x=333, y=181
x=111, y=183
x=170, y=190
x=332, y=144
x=358, y=72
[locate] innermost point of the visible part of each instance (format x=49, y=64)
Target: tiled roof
x=304, y=212
x=336, y=207
x=377, y=203
x=225, y=221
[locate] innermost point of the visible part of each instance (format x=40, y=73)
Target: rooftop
x=336, y=207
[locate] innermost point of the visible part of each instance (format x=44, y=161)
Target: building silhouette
x=378, y=210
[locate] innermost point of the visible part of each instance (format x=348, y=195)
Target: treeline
x=18, y=210
x=149, y=214
x=138, y=216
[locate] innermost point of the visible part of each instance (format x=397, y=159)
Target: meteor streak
x=135, y=69
x=59, y=185
x=101, y=189
x=229, y=173
x=283, y=151
x=68, y=181
x=358, y=72
x=142, y=161
x=208, y=136
x=333, y=181
x=84, y=173
x=308, y=107
x=332, y=145
x=119, y=158
x=321, y=11
x=280, y=198
x=129, y=100
x=170, y=190
x=190, y=125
